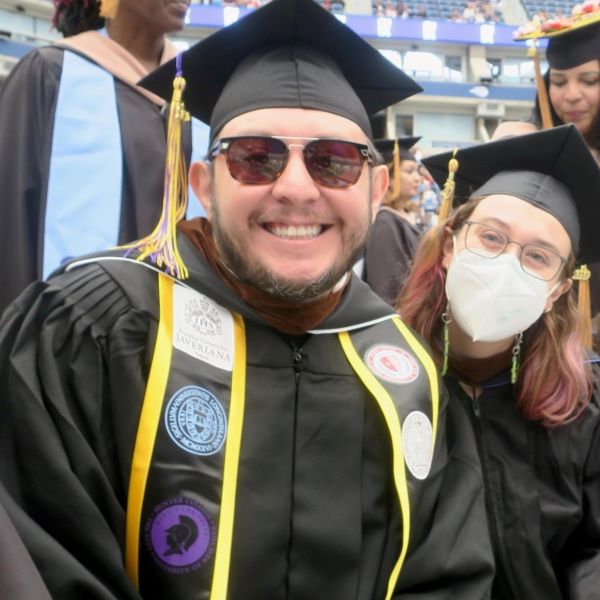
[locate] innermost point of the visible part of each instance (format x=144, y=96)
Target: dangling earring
x=516, y=355
x=445, y=320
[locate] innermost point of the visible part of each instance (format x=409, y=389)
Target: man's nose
x=295, y=183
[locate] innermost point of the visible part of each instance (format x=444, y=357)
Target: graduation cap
x=575, y=46
x=394, y=151
x=387, y=147
x=287, y=54
x=552, y=169
x=572, y=41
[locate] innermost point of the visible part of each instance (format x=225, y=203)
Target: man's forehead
x=293, y=122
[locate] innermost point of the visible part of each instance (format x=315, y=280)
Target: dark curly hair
x=76, y=16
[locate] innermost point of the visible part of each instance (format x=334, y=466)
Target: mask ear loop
x=446, y=319
x=516, y=355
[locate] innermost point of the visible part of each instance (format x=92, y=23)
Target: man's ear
x=200, y=178
x=379, y=185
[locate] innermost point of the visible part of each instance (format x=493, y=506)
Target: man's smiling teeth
x=296, y=232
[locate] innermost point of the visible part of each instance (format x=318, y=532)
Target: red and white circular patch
x=392, y=364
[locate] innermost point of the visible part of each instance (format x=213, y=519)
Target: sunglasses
x=256, y=160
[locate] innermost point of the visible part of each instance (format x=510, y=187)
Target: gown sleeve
x=388, y=254
x=582, y=552
x=27, y=103
x=452, y=556
x=19, y=579
x=66, y=428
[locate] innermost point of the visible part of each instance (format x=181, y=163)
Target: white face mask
x=493, y=299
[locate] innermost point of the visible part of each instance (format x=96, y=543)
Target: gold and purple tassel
x=161, y=245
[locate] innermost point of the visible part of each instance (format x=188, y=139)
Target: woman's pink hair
x=555, y=379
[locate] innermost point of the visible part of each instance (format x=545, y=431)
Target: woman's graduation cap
x=393, y=152
x=552, y=169
x=572, y=41
x=289, y=53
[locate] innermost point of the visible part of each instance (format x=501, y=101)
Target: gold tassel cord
x=542, y=92
x=582, y=276
x=161, y=245
x=396, y=182
x=448, y=191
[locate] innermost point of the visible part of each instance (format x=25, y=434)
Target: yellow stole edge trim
x=430, y=369
x=148, y=425
x=144, y=445
x=232, y=458
x=393, y=422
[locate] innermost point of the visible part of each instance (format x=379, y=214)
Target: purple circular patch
x=180, y=533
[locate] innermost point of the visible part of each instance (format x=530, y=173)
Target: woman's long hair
x=555, y=380
x=76, y=16
x=536, y=118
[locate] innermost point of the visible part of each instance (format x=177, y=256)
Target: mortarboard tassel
x=582, y=276
x=542, y=92
x=396, y=182
x=108, y=8
x=161, y=244
x=448, y=191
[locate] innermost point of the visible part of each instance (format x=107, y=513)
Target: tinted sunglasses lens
x=334, y=163
x=256, y=160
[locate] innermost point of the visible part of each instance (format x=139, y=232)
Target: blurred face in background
x=160, y=16
x=410, y=178
x=575, y=95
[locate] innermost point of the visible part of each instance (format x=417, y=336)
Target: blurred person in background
x=489, y=290
x=569, y=93
x=394, y=235
x=82, y=146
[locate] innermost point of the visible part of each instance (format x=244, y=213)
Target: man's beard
x=260, y=277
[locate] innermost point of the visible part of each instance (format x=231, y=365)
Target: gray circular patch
x=196, y=421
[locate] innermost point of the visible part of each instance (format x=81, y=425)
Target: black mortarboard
x=386, y=147
x=552, y=169
x=574, y=47
x=289, y=53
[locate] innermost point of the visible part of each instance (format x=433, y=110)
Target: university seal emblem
x=196, y=421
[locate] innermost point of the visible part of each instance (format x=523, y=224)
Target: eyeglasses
x=258, y=160
x=536, y=260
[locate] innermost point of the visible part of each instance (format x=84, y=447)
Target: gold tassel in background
x=542, y=92
x=161, y=244
x=448, y=191
x=582, y=276
x=108, y=8
x=396, y=182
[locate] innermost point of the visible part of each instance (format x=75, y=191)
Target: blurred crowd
x=476, y=11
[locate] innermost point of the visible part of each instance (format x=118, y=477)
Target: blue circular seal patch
x=180, y=535
x=196, y=421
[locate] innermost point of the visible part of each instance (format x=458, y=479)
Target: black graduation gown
x=19, y=579
x=27, y=104
x=542, y=496
x=389, y=253
x=74, y=359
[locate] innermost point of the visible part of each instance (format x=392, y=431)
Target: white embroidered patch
x=202, y=328
x=417, y=442
x=392, y=364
